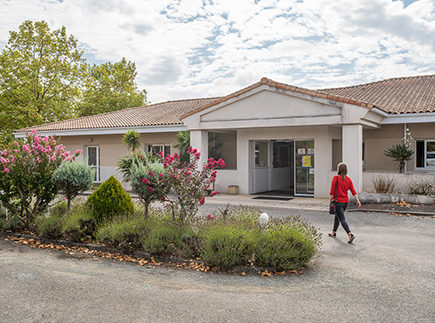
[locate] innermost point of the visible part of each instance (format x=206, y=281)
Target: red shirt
x=344, y=185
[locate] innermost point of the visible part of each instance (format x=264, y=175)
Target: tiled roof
x=166, y=113
x=266, y=81
x=396, y=95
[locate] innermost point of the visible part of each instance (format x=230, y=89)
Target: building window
x=93, y=156
x=155, y=149
x=425, y=154
x=261, y=154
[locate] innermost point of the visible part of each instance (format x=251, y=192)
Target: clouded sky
x=201, y=48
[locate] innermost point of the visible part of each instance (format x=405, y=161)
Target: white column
x=352, y=153
x=199, y=140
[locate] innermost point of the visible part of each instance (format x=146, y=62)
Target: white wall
x=401, y=181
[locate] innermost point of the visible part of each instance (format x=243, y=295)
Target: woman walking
x=339, y=186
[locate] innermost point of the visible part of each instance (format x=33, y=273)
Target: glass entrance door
x=304, y=167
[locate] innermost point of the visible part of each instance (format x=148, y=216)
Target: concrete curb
x=392, y=211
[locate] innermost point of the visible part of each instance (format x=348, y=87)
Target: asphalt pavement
x=386, y=275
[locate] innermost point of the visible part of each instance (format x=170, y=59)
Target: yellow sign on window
x=306, y=161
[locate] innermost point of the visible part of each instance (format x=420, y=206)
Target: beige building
x=277, y=137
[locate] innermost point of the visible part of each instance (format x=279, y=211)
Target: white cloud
x=197, y=48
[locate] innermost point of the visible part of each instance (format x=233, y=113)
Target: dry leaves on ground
x=191, y=264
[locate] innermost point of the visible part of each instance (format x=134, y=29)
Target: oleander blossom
x=34, y=159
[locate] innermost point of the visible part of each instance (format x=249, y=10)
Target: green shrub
x=126, y=162
x=422, y=188
x=25, y=180
x=165, y=237
x=124, y=230
x=145, y=181
x=287, y=244
x=384, y=185
x=72, y=178
x=190, y=243
x=79, y=224
x=10, y=221
x=50, y=226
x=110, y=199
x=227, y=242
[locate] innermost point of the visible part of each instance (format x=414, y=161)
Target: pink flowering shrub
x=27, y=166
x=189, y=183
x=149, y=183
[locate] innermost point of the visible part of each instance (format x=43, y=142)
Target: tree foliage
x=45, y=78
x=26, y=186
x=111, y=87
x=72, y=178
x=131, y=140
x=149, y=183
x=40, y=76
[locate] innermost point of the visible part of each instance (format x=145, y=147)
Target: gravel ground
x=387, y=275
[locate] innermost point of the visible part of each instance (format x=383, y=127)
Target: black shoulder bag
x=332, y=206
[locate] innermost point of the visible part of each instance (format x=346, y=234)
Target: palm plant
x=183, y=143
x=137, y=156
x=400, y=154
x=131, y=140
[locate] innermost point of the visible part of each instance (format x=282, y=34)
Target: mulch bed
x=95, y=250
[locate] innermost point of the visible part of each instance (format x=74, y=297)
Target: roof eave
x=106, y=131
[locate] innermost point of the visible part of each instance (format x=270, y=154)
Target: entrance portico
x=320, y=131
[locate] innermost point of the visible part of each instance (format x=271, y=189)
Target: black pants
x=339, y=217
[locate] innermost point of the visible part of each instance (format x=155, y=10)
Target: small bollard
x=264, y=218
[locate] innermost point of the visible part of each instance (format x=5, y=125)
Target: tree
x=26, y=186
x=111, y=87
x=44, y=78
x=72, y=178
x=40, y=76
x=131, y=139
x=189, y=182
x=149, y=183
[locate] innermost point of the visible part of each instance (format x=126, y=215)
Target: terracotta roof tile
x=166, y=113
x=283, y=86
x=395, y=96
x=401, y=95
